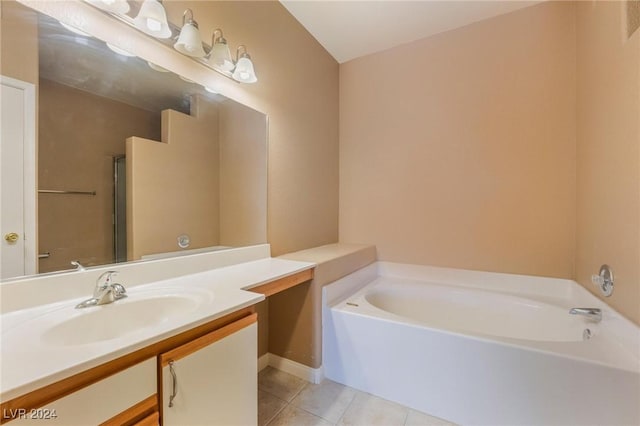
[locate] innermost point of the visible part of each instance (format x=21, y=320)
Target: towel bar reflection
x=55, y=191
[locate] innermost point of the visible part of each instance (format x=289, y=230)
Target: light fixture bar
x=226, y=70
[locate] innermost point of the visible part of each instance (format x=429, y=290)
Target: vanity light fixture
x=111, y=6
x=220, y=55
x=152, y=19
x=189, y=43
x=210, y=90
x=244, y=72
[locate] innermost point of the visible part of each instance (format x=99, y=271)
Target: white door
x=17, y=178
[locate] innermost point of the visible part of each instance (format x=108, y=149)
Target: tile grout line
x=406, y=417
x=277, y=413
x=286, y=403
x=298, y=393
x=314, y=415
x=307, y=385
x=266, y=391
x=348, y=405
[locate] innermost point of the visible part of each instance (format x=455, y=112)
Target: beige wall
x=608, y=147
x=80, y=133
x=458, y=150
x=173, y=185
x=243, y=166
x=18, y=42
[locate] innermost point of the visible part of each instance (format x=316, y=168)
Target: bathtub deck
x=284, y=399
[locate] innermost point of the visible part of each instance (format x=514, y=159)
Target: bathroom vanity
x=178, y=350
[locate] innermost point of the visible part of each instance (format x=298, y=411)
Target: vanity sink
x=138, y=312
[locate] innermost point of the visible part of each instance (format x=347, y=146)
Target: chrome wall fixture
x=152, y=20
x=189, y=42
x=604, y=280
x=220, y=56
x=243, y=71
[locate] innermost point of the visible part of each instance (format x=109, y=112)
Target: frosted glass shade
x=189, y=43
x=244, y=71
x=220, y=57
x=152, y=20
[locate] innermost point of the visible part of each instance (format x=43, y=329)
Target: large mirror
x=135, y=162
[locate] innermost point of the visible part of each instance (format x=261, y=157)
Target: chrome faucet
x=106, y=291
x=592, y=314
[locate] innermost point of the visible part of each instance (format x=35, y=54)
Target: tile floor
x=285, y=400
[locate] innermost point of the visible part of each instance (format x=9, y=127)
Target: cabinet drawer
x=151, y=420
x=98, y=402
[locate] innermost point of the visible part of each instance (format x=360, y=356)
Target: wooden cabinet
x=110, y=398
x=150, y=420
x=212, y=380
x=216, y=369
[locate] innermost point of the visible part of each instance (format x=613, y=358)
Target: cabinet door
x=213, y=379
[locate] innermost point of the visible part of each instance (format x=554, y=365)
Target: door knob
x=11, y=237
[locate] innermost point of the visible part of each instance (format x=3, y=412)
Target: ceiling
x=349, y=29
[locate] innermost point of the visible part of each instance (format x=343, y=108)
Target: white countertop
x=30, y=362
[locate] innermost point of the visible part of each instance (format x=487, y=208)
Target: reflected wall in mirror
x=135, y=162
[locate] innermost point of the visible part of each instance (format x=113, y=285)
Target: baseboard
x=313, y=375
x=263, y=362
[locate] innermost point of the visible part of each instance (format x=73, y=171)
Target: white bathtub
x=481, y=348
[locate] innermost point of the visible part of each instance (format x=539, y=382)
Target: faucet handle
x=109, y=275
x=104, y=281
x=119, y=291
